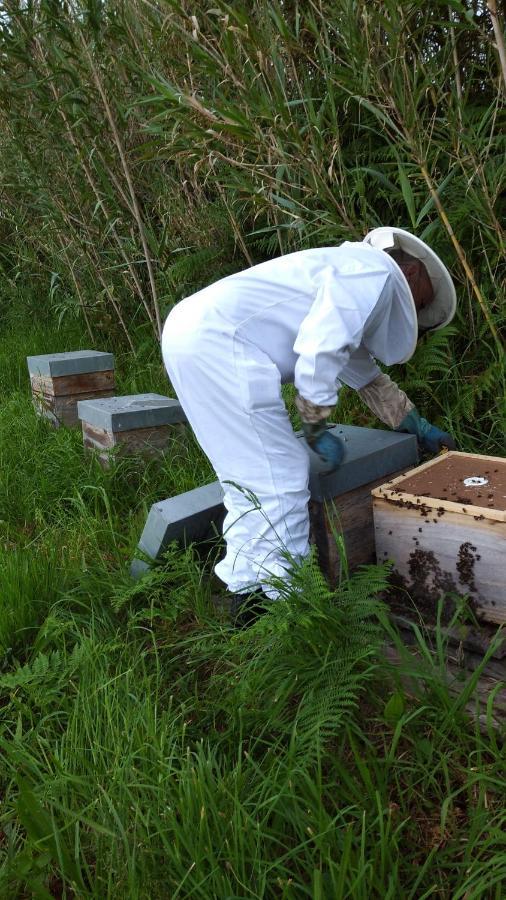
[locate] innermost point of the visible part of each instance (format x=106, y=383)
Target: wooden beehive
x=60, y=380
x=341, y=506
x=444, y=526
x=132, y=425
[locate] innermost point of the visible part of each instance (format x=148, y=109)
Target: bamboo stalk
x=115, y=305
x=107, y=289
x=235, y=225
x=114, y=180
x=117, y=309
x=456, y=65
x=82, y=304
x=499, y=37
x=462, y=257
x=128, y=177
x=91, y=181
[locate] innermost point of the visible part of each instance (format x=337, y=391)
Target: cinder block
x=132, y=411
x=137, y=424
x=59, y=380
x=186, y=518
x=371, y=456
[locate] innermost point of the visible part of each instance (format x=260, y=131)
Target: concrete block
x=77, y=362
x=185, y=518
x=138, y=568
x=131, y=412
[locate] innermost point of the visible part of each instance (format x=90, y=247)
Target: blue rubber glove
x=429, y=436
x=329, y=448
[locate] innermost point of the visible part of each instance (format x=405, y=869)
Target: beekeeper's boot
x=245, y=609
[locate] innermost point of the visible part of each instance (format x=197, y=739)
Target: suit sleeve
x=332, y=331
x=386, y=400
x=360, y=369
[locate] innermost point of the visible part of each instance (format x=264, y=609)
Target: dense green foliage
x=146, y=148
x=146, y=749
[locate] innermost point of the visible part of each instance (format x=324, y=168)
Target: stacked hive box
x=444, y=526
x=341, y=503
x=137, y=424
x=59, y=380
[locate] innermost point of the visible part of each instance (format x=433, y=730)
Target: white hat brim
x=442, y=309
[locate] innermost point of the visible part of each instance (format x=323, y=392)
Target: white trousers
x=231, y=393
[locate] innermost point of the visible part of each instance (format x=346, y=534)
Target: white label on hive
x=475, y=481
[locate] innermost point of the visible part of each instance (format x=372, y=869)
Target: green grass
x=149, y=751
x=159, y=755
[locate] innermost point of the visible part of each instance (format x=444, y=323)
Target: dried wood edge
x=393, y=498
x=433, y=462
x=146, y=434
x=465, y=634
x=493, y=676
x=68, y=385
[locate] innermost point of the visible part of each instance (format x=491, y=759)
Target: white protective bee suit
x=317, y=318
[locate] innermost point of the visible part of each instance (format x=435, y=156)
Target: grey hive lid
x=115, y=414
x=187, y=517
x=371, y=453
x=76, y=362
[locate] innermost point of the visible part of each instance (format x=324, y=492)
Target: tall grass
x=148, y=148
x=149, y=751
x=326, y=120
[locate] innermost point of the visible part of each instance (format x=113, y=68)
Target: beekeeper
x=318, y=318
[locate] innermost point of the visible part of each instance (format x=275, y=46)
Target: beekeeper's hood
x=442, y=309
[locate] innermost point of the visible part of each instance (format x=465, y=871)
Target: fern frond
x=39, y=670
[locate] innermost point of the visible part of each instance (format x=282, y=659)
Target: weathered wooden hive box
x=133, y=425
x=340, y=508
x=444, y=526
x=59, y=380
